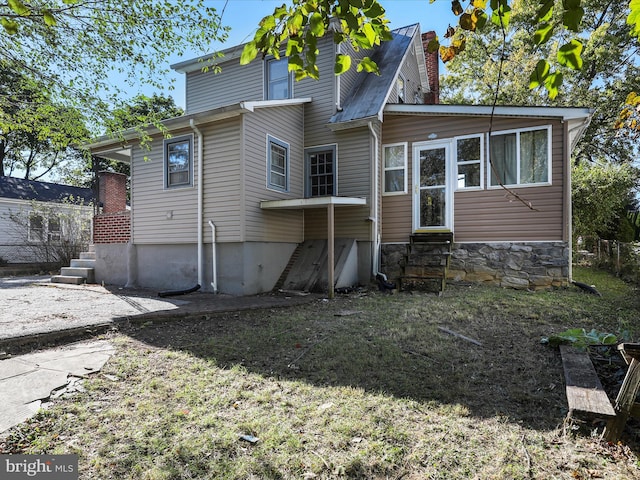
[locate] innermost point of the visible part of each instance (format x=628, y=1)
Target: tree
x=36, y=133
x=71, y=46
x=551, y=23
x=604, y=81
x=137, y=113
x=600, y=194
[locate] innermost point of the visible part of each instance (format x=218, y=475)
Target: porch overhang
x=329, y=202
x=315, y=202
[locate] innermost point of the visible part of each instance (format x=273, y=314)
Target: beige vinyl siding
x=284, y=124
x=485, y=215
x=222, y=192
x=323, y=93
x=411, y=75
x=235, y=83
x=354, y=177
x=161, y=215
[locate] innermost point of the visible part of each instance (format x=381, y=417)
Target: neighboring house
x=262, y=170
x=35, y=219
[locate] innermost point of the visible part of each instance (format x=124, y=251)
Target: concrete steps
x=81, y=270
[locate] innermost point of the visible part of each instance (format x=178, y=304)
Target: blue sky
x=243, y=17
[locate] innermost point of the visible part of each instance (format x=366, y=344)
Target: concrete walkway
x=34, y=312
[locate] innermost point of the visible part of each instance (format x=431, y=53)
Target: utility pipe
x=214, y=283
x=374, y=205
x=200, y=201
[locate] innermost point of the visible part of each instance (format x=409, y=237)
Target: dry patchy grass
x=365, y=386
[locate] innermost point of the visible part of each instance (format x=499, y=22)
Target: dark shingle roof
x=370, y=92
x=21, y=189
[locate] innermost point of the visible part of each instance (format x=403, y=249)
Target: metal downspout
x=374, y=205
x=200, y=201
x=214, y=255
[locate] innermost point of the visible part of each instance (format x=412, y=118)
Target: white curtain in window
x=533, y=157
x=504, y=159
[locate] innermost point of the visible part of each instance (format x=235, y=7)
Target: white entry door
x=432, y=192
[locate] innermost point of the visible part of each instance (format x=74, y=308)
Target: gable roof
x=370, y=93
x=21, y=189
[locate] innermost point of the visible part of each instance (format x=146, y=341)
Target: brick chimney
x=112, y=191
x=433, y=70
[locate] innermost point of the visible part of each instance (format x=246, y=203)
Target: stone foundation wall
x=522, y=265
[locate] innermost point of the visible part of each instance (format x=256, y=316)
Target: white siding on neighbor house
x=161, y=215
x=283, y=123
x=235, y=83
x=488, y=215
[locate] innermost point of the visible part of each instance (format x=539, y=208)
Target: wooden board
x=584, y=390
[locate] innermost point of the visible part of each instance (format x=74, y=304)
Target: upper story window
x=178, y=161
x=278, y=79
x=469, y=153
x=521, y=157
x=400, y=87
x=277, y=164
x=395, y=169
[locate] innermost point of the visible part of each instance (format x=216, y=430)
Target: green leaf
x=374, y=11
x=543, y=33
x=634, y=17
x=343, y=63
x=18, y=7
x=368, y=65
x=545, y=12
x=370, y=34
x=295, y=63
x=569, y=55
x=249, y=52
x=316, y=24
x=433, y=46
x=49, y=19
x=553, y=84
x=501, y=13
x=10, y=26
x=571, y=18
x=539, y=74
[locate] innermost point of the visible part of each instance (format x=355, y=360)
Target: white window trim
x=405, y=189
x=470, y=162
x=270, y=186
x=266, y=79
x=517, y=131
x=165, y=161
x=315, y=149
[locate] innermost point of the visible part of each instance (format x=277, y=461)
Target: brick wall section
x=433, y=70
x=112, y=188
x=112, y=227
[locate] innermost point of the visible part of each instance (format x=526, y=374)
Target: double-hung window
x=321, y=170
x=278, y=79
x=178, y=161
x=277, y=164
x=395, y=169
x=469, y=153
x=521, y=157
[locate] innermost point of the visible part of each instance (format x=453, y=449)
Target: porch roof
x=315, y=202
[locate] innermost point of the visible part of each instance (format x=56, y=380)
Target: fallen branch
x=451, y=332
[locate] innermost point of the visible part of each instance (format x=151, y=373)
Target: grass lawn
x=364, y=386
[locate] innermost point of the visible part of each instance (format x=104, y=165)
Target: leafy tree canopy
x=71, y=46
x=36, y=132
x=554, y=23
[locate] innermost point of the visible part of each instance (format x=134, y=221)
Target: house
x=39, y=220
x=269, y=183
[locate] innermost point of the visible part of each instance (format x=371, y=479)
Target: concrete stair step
x=92, y=248
x=87, y=255
x=87, y=273
x=83, y=263
x=68, y=279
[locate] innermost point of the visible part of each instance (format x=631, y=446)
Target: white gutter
x=374, y=204
x=214, y=254
x=199, y=201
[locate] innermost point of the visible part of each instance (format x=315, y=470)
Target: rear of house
x=267, y=183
